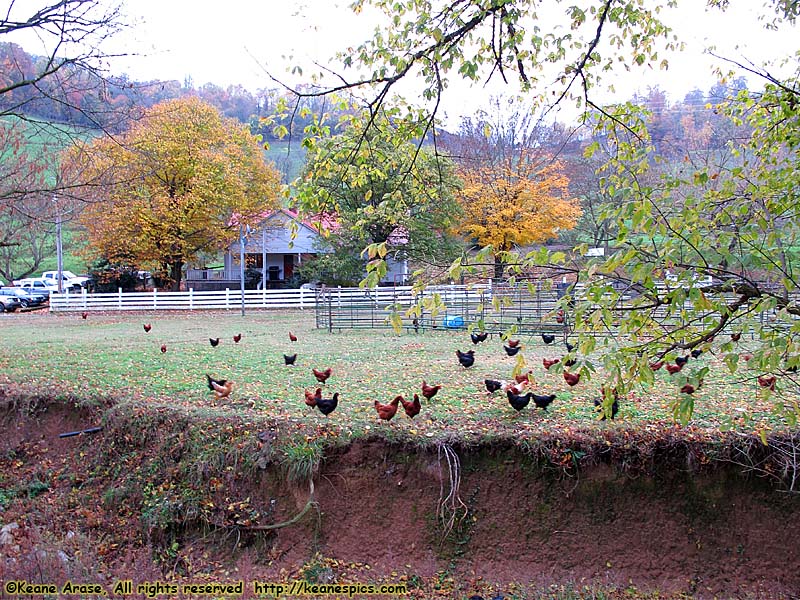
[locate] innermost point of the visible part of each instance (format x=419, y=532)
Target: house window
x=253, y=261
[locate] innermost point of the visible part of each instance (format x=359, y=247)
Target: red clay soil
x=705, y=535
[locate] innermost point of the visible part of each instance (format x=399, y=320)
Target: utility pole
x=242, y=242
x=59, y=248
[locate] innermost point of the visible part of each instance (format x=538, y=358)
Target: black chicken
x=477, y=338
x=696, y=353
x=599, y=408
x=681, y=360
x=569, y=346
x=548, y=338
x=543, y=401
x=518, y=402
x=467, y=359
x=212, y=381
x=327, y=405
x=511, y=351
x=214, y=342
x=492, y=385
x=289, y=359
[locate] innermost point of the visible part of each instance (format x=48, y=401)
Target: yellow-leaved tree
x=179, y=182
x=515, y=201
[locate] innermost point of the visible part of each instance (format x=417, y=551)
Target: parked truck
x=68, y=279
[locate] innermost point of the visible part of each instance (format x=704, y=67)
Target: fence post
x=119, y=299
x=191, y=298
x=227, y=298
x=155, y=300
x=301, y=298
x=83, y=297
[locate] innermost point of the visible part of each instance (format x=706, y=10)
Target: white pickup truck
x=39, y=285
x=68, y=279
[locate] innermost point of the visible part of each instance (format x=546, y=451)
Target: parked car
x=38, y=285
x=9, y=303
x=68, y=279
x=26, y=297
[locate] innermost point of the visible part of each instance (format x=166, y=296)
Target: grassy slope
x=111, y=355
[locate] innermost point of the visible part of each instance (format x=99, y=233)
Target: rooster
x=387, y=411
x=467, y=359
x=214, y=342
x=429, y=391
x=513, y=343
x=237, y=338
x=322, y=376
x=412, y=407
x=163, y=348
x=327, y=405
x=292, y=337
x=673, y=368
x=549, y=363
x=548, y=338
x=147, y=327
x=570, y=362
x=477, y=338
x=655, y=366
x=572, y=379
x=312, y=397
x=767, y=381
x=517, y=401
x=511, y=351
x=543, y=401
x=289, y=358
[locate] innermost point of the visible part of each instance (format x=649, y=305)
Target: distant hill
x=289, y=157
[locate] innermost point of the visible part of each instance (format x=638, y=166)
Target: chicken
x=163, y=348
x=524, y=378
x=312, y=397
x=412, y=407
x=511, y=351
x=598, y=404
x=559, y=318
x=237, y=338
x=327, y=405
x=387, y=411
x=735, y=336
x=147, y=327
x=512, y=386
x=549, y=363
x=572, y=379
x=477, y=338
x=429, y=391
x=548, y=338
x=322, y=376
x=292, y=337
x=289, y=358
x=492, y=385
x=696, y=353
x=681, y=360
x=467, y=359
x=655, y=366
x=84, y=315
x=767, y=381
x=570, y=362
x=513, y=343
x=211, y=382
x=673, y=368
x=517, y=401
x=747, y=355
x=214, y=342
x=569, y=346
x=221, y=390
x=688, y=388
x=543, y=401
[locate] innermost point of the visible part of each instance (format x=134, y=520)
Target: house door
x=288, y=266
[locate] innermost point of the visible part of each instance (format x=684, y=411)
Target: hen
x=237, y=338
x=477, y=338
x=511, y=351
x=222, y=388
x=214, y=382
x=655, y=366
x=767, y=381
x=147, y=327
x=524, y=378
x=289, y=358
x=327, y=405
x=569, y=346
x=598, y=404
x=513, y=343
x=572, y=379
x=467, y=359
x=292, y=337
x=696, y=353
x=163, y=348
x=313, y=397
x=517, y=401
x=681, y=360
x=548, y=338
x=735, y=336
x=322, y=376
x=412, y=407
x=214, y=342
x=492, y=385
x=673, y=368
x=429, y=391
x=688, y=388
x=549, y=363
x=84, y=315
x=543, y=401
x=387, y=411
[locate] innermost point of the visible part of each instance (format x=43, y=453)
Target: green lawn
x=110, y=355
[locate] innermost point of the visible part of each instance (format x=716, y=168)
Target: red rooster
x=688, y=389
x=322, y=376
x=163, y=348
x=524, y=378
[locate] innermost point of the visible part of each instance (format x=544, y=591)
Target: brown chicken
x=572, y=378
x=549, y=363
x=429, y=391
x=387, y=411
x=147, y=327
x=412, y=407
x=524, y=378
x=735, y=336
x=163, y=348
x=513, y=343
x=322, y=376
x=312, y=397
x=767, y=381
x=292, y=337
x=237, y=338
x=747, y=355
x=655, y=366
x=688, y=389
x=84, y=315
x=673, y=368
x=222, y=391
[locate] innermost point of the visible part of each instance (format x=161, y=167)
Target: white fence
x=190, y=300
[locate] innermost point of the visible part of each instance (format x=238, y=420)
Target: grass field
x=110, y=356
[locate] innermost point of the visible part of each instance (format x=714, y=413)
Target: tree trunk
x=499, y=268
x=175, y=274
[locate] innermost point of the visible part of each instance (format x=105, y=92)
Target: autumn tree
x=517, y=202
x=177, y=183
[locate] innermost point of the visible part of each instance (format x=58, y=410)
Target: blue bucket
x=453, y=322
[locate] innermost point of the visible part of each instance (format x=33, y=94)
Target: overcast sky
x=227, y=43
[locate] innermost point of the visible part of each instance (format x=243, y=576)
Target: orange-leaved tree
x=517, y=200
x=179, y=182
